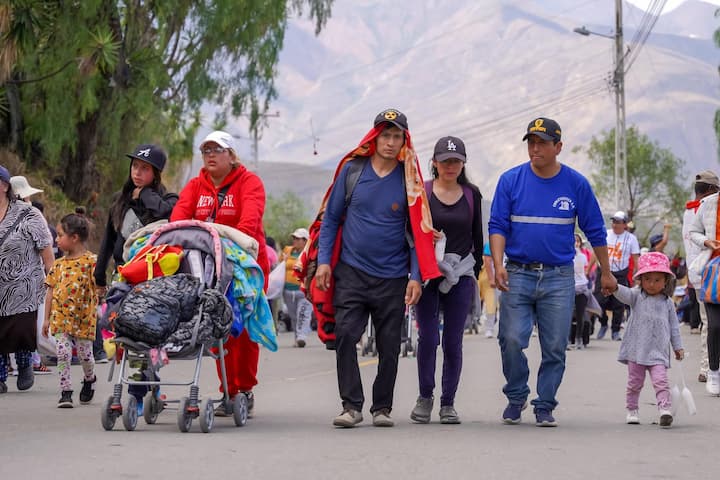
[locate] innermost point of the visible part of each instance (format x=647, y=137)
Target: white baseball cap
x=22, y=188
x=301, y=233
x=223, y=139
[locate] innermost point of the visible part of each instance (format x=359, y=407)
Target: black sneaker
x=88, y=390
x=26, y=378
x=3, y=387
x=65, y=399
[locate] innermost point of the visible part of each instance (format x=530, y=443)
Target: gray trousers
x=300, y=311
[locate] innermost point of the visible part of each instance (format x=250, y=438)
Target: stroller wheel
x=130, y=414
x=184, y=419
x=240, y=410
x=107, y=416
x=152, y=408
x=207, y=415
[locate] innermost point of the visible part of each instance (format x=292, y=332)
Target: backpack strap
x=467, y=193
x=220, y=199
x=355, y=168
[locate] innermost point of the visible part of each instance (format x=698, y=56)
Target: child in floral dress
x=70, y=305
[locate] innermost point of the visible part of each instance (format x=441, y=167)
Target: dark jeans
x=358, y=295
x=611, y=303
x=580, y=334
x=713, y=335
x=692, y=312
x=455, y=305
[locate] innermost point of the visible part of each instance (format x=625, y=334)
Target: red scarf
x=419, y=211
x=694, y=204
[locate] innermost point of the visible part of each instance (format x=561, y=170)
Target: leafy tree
x=283, y=215
x=83, y=82
x=655, y=187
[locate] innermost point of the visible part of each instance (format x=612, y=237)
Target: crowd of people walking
x=387, y=242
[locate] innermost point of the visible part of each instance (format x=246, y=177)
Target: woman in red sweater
x=242, y=207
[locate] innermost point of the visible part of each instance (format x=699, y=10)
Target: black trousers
x=713, y=335
x=617, y=308
x=692, y=312
x=357, y=296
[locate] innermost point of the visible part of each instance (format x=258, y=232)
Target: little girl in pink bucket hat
x=651, y=329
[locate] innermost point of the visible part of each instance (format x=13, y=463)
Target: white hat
x=301, y=233
x=22, y=188
x=620, y=215
x=223, y=139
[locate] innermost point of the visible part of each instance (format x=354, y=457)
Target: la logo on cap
x=390, y=115
x=451, y=146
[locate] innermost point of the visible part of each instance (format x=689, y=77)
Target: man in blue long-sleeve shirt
x=371, y=277
x=532, y=221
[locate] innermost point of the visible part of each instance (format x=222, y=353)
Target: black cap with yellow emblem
x=395, y=117
x=544, y=128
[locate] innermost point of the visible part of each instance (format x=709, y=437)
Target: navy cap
x=151, y=154
x=395, y=117
x=544, y=128
x=4, y=174
x=449, y=147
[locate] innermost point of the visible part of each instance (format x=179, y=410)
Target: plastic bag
x=276, y=281
x=45, y=345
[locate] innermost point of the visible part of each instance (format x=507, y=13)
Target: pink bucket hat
x=653, y=262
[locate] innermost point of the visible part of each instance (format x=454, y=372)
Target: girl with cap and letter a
x=457, y=215
x=227, y=193
x=143, y=199
x=651, y=331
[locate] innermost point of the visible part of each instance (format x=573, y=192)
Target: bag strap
x=15, y=224
x=355, y=169
x=467, y=193
x=220, y=199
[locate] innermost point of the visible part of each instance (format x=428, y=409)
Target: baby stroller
x=208, y=319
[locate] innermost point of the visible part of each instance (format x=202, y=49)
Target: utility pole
x=621, y=180
x=255, y=154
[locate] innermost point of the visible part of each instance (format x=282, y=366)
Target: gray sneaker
x=381, y=418
x=422, y=411
x=448, y=415
x=26, y=378
x=348, y=418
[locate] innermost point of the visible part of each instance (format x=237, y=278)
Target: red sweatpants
x=241, y=364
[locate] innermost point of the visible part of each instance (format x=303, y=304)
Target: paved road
x=291, y=435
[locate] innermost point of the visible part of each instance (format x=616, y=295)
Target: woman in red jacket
x=242, y=207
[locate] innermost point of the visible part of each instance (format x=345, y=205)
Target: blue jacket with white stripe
x=537, y=215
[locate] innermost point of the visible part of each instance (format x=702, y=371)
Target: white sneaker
x=666, y=418
x=632, y=417
x=489, y=334
x=713, y=382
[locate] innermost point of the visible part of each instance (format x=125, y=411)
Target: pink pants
x=636, y=379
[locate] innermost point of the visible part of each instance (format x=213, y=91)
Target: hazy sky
x=670, y=5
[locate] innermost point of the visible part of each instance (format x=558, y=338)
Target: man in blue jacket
x=532, y=221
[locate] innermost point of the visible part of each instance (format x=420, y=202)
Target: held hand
x=608, y=283
x=437, y=235
x=46, y=329
x=501, y=279
x=712, y=244
x=679, y=354
x=100, y=292
x=136, y=192
x=323, y=276
x=413, y=291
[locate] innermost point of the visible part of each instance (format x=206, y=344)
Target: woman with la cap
x=456, y=212
x=242, y=208
x=26, y=256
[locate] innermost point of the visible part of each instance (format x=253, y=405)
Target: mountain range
x=481, y=70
